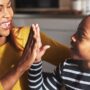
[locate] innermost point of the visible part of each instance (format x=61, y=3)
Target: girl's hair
x=80, y=33
x=84, y=24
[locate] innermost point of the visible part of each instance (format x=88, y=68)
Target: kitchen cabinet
x=52, y=7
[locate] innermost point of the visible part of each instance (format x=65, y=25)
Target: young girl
x=74, y=73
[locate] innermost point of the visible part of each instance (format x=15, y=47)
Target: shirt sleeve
x=1, y=88
x=39, y=80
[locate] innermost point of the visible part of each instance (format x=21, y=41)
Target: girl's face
x=80, y=41
x=6, y=15
x=81, y=45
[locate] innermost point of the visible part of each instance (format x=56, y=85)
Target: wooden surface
x=54, y=11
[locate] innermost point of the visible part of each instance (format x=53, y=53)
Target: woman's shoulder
x=20, y=29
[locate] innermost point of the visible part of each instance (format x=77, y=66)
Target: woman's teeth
x=5, y=25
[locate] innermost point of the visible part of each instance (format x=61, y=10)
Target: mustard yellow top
x=1, y=88
x=10, y=54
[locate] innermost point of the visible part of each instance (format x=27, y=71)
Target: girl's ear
x=73, y=38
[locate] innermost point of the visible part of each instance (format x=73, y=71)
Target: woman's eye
x=0, y=8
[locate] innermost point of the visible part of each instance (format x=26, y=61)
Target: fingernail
x=37, y=25
x=32, y=25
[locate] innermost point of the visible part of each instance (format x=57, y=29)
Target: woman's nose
x=6, y=13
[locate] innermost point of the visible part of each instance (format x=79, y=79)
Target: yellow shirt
x=1, y=88
x=10, y=54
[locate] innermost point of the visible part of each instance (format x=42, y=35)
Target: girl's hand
x=40, y=48
x=34, y=50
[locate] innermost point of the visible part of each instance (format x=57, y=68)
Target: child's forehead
x=86, y=22
x=87, y=27
x=84, y=26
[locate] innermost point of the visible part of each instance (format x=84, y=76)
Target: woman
x=12, y=43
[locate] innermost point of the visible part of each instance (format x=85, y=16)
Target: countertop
x=67, y=16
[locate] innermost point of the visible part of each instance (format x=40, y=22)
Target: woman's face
x=6, y=15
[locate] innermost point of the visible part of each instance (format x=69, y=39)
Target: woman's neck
x=3, y=40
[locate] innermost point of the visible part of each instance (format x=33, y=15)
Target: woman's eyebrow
x=9, y=2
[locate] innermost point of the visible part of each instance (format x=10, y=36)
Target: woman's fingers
x=27, y=48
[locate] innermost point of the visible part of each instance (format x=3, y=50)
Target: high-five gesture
x=33, y=52
x=40, y=48
x=34, y=49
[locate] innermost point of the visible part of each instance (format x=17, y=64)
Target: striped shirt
x=70, y=74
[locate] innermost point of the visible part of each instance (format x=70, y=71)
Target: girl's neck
x=86, y=64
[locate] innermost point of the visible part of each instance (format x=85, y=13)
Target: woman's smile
x=5, y=25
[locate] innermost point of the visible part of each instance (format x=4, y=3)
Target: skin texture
x=6, y=15
x=32, y=53
x=80, y=43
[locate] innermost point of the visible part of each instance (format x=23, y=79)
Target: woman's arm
x=29, y=56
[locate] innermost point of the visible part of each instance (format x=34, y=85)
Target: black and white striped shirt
x=71, y=75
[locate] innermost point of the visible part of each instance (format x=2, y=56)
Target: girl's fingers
x=34, y=37
x=43, y=49
x=37, y=44
x=38, y=35
x=42, y=52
